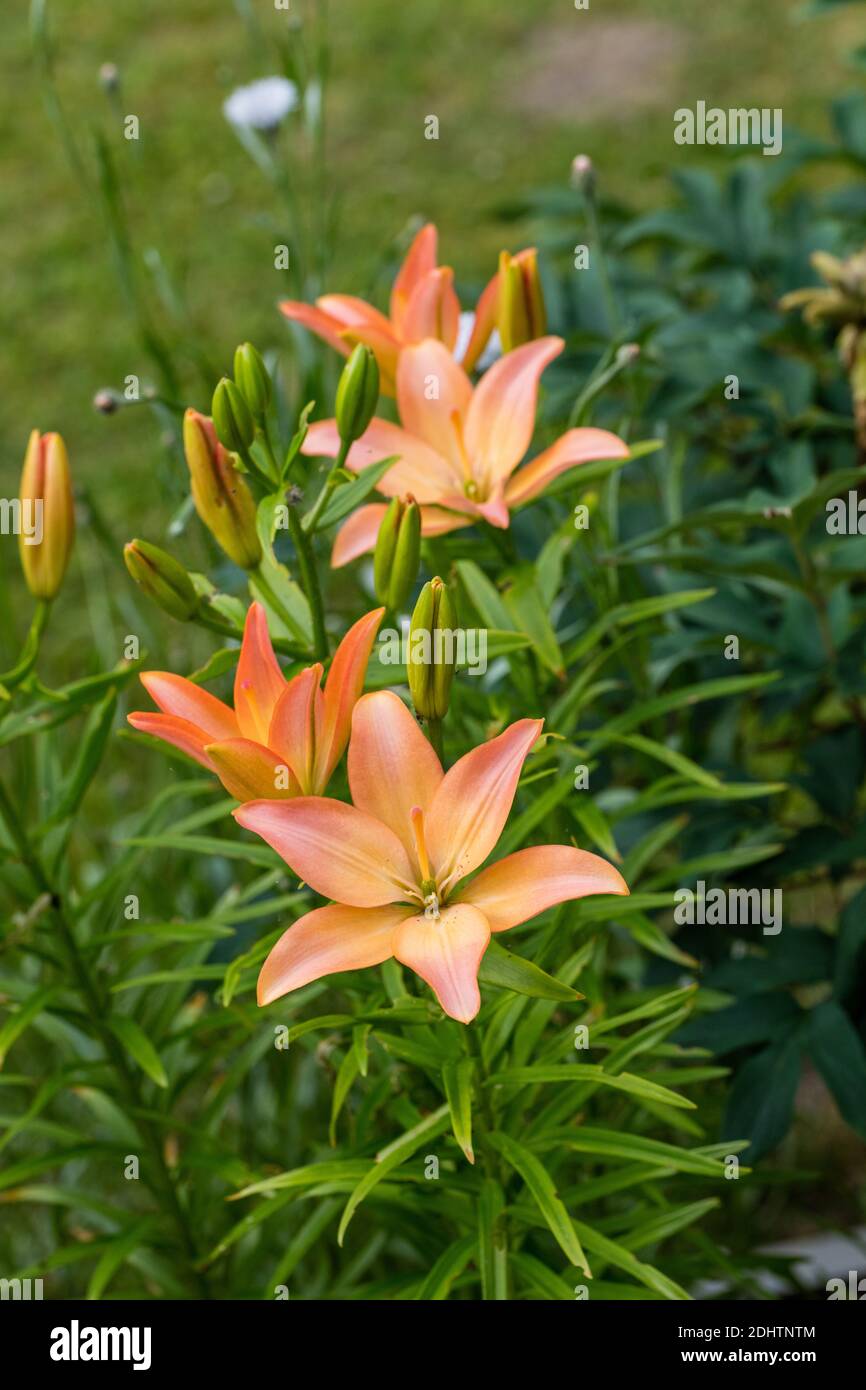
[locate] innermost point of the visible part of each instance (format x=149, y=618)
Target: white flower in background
x=492, y=351
x=261, y=105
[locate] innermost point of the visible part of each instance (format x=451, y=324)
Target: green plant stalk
x=310, y=582
x=98, y=1010
x=327, y=488
x=30, y=650
x=433, y=728
x=494, y=1167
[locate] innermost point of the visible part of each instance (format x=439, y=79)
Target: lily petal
x=180, y=733
x=531, y=880
x=340, y=851
x=392, y=766
x=420, y=469
x=248, y=770
x=419, y=261
x=472, y=803
x=501, y=418
x=296, y=724
x=446, y=953
x=385, y=347
x=351, y=312
x=485, y=322
x=432, y=420
x=187, y=701
x=342, y=690
x=433, y=310
x=574, y=447
x=326, y=941
x=323, y=325
x=259, y=682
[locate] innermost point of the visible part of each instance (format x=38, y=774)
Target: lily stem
x=310, y=582
x=98, y=1008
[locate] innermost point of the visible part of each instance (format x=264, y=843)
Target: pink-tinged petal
x=385, y=347
x=433, y=310
x=531, y=880
x=323, y=325
x=485, y=322
x=340, y=851
x=351, y=312
x=342, y=689
x=326, y=941
x=472, y=804
x=249, y=771
x=180, y=697
x=259, y=682
x=429, y=368
x=180, y=733
x=501, y=418
x=358, y=534
x=574, y=447
x=420, y=470
x=392, y=766
x=296, y=725
x=420, y=260
x=446, y=953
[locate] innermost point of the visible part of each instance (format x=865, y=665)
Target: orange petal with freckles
x=420, y=259
x=574, y=447
x=531, y=880
x=501, y=418
x=296, y=725
x=327, y=328
x=259, y=682
x=180, y=733
x=392, y=766
x=342, y=690
x=432, y=420
x=472, y=803
x=326, y=941
x=446, y=953
x=340, y=851
x=433, y=310
x=248, y=770
x=186, y=701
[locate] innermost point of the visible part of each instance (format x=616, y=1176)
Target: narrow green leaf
x=589, y=1072
x=503, y=968
x=457, y=1079
x=391, y=1157
x=139, y=1046
x=540, y=1184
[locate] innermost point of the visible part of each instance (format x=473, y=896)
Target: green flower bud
x=222, y=498
x=232, y=419
x=397, y=553
x=162, y=578
x=432, y=650
x=252, y=379
x=357, y=394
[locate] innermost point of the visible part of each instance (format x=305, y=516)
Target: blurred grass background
x=518, y=91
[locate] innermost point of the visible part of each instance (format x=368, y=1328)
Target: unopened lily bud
x=397, y=553
x=252, y=379
x=357, y=393
x=47, y=515
x=520, y=315
x=231, y=416
x=222, y=498
x=432, y=650
x=162, y=578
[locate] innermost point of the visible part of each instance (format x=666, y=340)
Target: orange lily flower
x=394, y=863
x=283, y=738
x=458, y=451
x=423, y=305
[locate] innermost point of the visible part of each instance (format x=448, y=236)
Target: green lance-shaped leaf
x=391, y=1157
x=597, y=1076
x=19, y=1021
x=492, y=1243
x=450, y=1264
x=96, y=734
x=139, y=1046
x=540, y=1184
x=342, y=1086
x=457, y=1080
x=502, y=967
